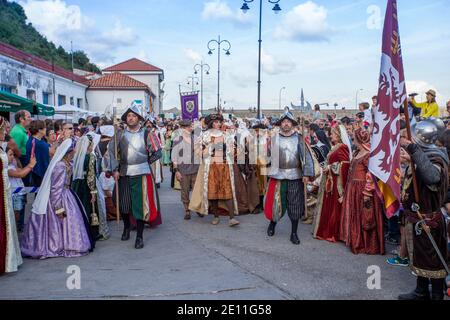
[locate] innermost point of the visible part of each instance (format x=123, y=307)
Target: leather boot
x=271, y=229
x=294, y=239
x=126, y=235
x=139, y=243
x=437, y=292
x=422, y=291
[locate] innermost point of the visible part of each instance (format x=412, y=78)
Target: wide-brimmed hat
x=213, y=117
x=135, y=110
x=287, y=116
x=432, y=93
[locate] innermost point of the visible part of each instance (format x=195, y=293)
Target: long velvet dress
x=10, y=257
x=328, y=220
x=362, y=224
x=48, y=236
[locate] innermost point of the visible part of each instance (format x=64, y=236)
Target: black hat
x=346, y=120
x=213, y=117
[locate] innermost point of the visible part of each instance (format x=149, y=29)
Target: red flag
x=385, y=156
x=33, y=147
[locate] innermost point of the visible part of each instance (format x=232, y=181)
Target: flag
x=189, y=106
x=384, y=161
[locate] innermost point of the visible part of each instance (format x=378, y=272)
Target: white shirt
x=15, y=182
x=107, y=183
x=368, y=116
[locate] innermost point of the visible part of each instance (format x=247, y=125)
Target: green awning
x=46, y=111
x=10, y=102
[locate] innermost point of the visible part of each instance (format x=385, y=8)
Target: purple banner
x=189, y=106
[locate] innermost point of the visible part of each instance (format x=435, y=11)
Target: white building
x=36, y=79
x=119, y=86
x=146, y=73
x=117, y=90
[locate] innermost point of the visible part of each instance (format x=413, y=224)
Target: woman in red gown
x=328, y=220
x=362, y=220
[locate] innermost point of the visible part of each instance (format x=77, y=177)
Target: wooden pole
x=116, y=155
x=413, y=168
x=305, y=188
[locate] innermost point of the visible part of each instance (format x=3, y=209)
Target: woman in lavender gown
x=58, y=226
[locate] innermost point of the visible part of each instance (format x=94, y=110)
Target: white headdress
x=81, y=151
x=346, y=140
x=41, y=201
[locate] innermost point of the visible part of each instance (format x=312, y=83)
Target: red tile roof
x=133, y=65
x=117, y=81
x=39, y=63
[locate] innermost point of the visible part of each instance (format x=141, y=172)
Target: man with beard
x=137, y=149
x=292, y=166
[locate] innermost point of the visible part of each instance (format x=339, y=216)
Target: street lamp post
x=357, y=93
x=210, y=52
x=202, y=66
x=192, y=79
x=276, y=9
x=279, y=101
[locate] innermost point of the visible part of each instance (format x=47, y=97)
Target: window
x=80, y=103
x=6, y=88
x=19, y=78
x=119, y=100
x=45, y=97
x=31, y=94
x=61, y=100
x=72, y=101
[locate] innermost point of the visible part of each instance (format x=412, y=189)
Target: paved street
x=195, y=260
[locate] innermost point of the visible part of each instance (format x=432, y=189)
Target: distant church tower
x=304, y=107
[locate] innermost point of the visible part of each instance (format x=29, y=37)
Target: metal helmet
x=440, y=125
x=425, y=132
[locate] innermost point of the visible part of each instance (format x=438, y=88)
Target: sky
x=330, y=48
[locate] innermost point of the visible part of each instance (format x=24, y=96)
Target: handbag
x=368, y=216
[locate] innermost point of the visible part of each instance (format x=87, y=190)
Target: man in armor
x=292, y=165
x=137, y=149
x=431, y=163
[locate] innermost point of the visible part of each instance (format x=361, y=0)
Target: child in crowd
x=16, y=175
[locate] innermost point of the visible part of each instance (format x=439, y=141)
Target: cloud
x=62, y=23
x=275, y=66
x=305, y=22
x=220, y=10
x=193, y=55
x=120, y=35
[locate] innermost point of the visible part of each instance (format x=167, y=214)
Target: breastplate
x=135, y=157
x=289, y=159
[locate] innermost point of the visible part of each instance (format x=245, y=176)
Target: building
x=117, y=90
x=118, y=86
x=36, y=79
x=145, y=73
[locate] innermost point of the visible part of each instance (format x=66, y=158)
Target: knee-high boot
x=126, y=227
x=140, y=234
x=294, y=236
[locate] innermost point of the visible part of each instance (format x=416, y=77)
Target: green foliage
x=15, y=31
